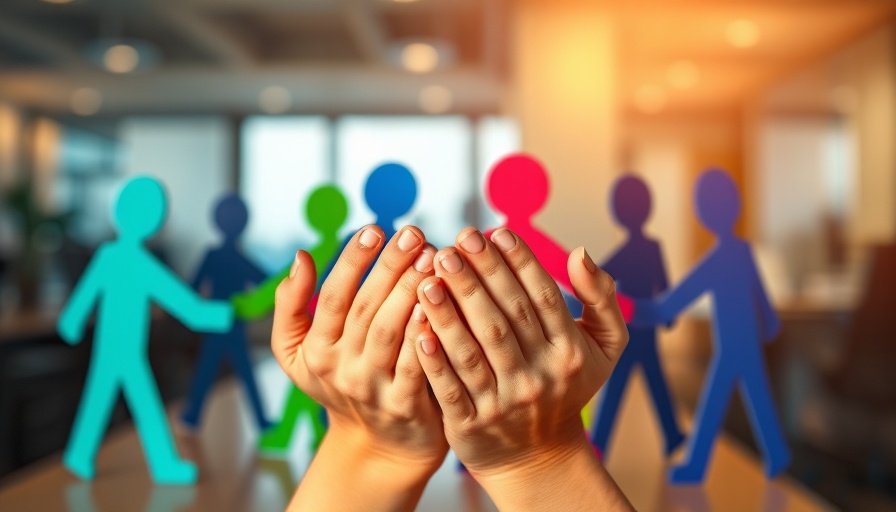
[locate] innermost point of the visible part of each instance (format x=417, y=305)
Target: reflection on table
x=234, y=478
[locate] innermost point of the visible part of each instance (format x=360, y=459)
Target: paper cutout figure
x=225, y=271
x=637, y=266
x=122, y=280
x=744, y=318
x=518, y=188
x=326, y=211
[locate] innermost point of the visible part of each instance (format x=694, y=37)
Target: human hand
x=352, y=360
x=511, y=369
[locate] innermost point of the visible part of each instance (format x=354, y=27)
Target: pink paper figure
x=518, y=187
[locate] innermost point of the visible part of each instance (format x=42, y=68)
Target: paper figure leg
x=207, y=366
x=717, y=392
x=662, y=401
x=97, y=402
x=609, y=403
x=760, y=405
x=298, y=404
x=239, y=357
x=145, y=404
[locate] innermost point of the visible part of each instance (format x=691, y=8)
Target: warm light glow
x=844, y=99
x=86, y=101
x=650, y=99
x=435, y=99
x=121, y=58
x=742, y=34
x=274, y=100
x=683, y=74
x=419, y=57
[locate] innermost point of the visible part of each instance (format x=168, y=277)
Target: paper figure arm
x=671, y=303
x=258, y=302
x=184, y=303
x=201, y=274
x=82, y=300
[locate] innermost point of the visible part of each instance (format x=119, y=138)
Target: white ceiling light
x=683, y=74
x=419, y=57
x=742, y=33
x=274, y=100
x=86, y=101
x=650, y=99
x=435, y=99
x=121, y=58
x=123, y=55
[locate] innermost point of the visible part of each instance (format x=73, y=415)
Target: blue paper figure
x=744, y=318
x=639, y=272
x=390, y=192
x=122, y=280
x=225, y=271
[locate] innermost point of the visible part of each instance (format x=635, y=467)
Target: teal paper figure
x=122, y=280
x=225, y=271
x=639, y=272
x=744, y=319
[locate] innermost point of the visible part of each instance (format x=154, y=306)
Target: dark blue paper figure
x=225, y=271
x=390, y=192
x=744, y=318
x=639, y=272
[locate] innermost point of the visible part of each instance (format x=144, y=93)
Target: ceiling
x=342, y=55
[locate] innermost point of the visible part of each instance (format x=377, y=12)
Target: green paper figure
x=326, y=211
x=122, y=281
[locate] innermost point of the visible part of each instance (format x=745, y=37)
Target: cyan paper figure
x=744, y=319
x=637, y=266
x=326, y=211
x=225, y=271
x=518, y=188
x=122, y=280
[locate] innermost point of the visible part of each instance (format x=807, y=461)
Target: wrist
x=353, y=442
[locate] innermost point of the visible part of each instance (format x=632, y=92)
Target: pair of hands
x=470, y=346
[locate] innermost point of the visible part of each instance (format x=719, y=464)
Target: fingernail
x=418, y=314
x=423, y=263
x=434, y=293
x=408, y=240
x=295, y=266
x=451, y=262
x=589, y=263
x=427, y=344
x=473, y=243
x=369, y=238
x=504, y=239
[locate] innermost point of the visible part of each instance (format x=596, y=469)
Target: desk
x=234, y=478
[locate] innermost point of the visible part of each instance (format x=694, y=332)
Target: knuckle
x=524, y=262
x=409, y=371
x=363, y=308
x=331, y=303
x=468, y=359
x=530, y=392
x=468, y=288
x=491, y=268
x=382, y=335
x=317, y=363
x=408, y=285
x=496, y=333
x=547, y=299
x=452, y=395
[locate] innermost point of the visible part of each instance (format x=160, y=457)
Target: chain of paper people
x=123, y=279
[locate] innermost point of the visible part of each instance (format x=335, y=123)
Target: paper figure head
x=326, y=209
x=631, y=202
x=718, y=201
x=390, y=191
x=231, y=216
x=518, y=186
x=140, y=208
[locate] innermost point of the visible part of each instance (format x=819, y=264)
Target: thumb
x=292, y=321
x=601, y=317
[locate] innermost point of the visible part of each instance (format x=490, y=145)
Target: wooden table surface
x=234, y=478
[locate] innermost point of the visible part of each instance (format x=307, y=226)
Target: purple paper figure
x=639, y=272
x=744, y=319
x=518, y=188
x=225, y=271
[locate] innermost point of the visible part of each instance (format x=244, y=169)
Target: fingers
x=389, y=323
x=448, y=389
x=338, y=291
x=291, y=318
x=486, y=321
x=601, y=318
x=503, y=287
x=463, y=352
x=543, y=292
x=410, y=381
x=395, y=258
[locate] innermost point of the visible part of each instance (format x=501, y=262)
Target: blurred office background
x=271, y=98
